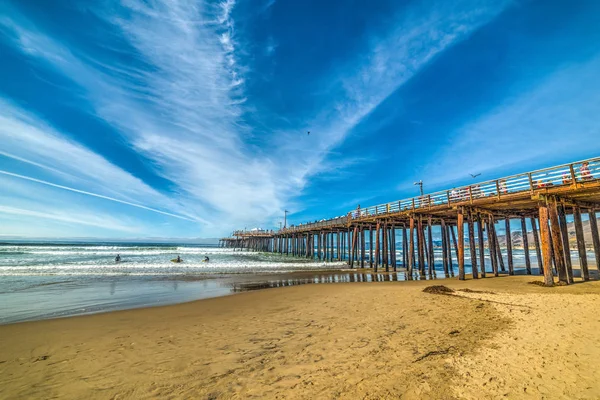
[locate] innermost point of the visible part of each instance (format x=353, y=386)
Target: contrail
x=27, y=178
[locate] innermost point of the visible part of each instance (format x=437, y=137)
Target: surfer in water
x=178, y=259
x=118, y=258
x=206, y=259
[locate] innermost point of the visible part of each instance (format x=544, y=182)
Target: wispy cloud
x=423, y=31
x=181, y=103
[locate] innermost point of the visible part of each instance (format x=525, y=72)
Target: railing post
x=498, y=189
x=413, y=203
x=387, y=208
x=471, y=194
x=448, y=196
x=530, y=183
x=573, y=181
x=429, y=200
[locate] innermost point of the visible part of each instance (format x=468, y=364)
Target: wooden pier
x=543, y=197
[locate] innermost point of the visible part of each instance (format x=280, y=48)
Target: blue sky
x=188, y=118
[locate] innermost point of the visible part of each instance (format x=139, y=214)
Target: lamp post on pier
x=420, y=183
x=285, y=213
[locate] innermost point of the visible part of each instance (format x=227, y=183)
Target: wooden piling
x=538, y=249
x=393, y=243
x=525, y=246
x=370, y=246
x=443, y=232
x=377, y=250
x=583, y=263
x=411, y=253
x=421, y=251
x=362, y=247
x=481, y=244
x=404, y=247
x=460, y=227
x=492, y=244
x=472, y=248
x=595, y=237
x=562, y=219
x=545, y=243
x=557, y=242
x=385, y=247
x=430, y=259
x=509, y=255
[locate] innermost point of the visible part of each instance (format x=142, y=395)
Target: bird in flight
x=476, y=175
x=308, y=133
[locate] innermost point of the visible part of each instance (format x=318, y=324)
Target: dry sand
x=362, y=340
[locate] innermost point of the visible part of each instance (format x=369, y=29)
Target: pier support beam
x=411, y=253
x=481, y=244
x=492, y=244
x=420, y=249
x=557, y=242
x=370, y=246
x=509, y=255
x=562, y=219
x=461, y=244
x=445, y=248
x=545, y=243
x=538, y=249
x=472, y=247
x=525, y=245
x=377, y=242
x=583, y=263
x=430, y=258
x=595, y=237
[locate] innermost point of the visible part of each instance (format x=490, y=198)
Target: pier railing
x=570, y=174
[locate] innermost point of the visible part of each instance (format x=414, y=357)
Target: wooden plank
x=545, y=243
x=538, y=248
x=557, y=242
x=525, y=246
x=595, y=237
x=583, y=263
x=461, y=245
x=562, y=219
x=509, y=255
x=472, y=247
x=481, y=244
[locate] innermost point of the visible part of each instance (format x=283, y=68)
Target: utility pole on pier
x=420, y=183
x=285, y=213
x=279, y=225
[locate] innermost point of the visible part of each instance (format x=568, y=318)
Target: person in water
x=178, y=258
x=206, y=259
x=118, y=258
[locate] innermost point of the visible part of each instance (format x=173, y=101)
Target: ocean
x=50, y=280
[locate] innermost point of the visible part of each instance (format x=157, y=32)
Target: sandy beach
x=502, y=338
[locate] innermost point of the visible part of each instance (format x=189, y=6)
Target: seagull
x=476, y=175
x=308, y=133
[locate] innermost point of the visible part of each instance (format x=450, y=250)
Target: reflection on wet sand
x=343, y=277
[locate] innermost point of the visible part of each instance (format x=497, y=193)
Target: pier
x=465, y=219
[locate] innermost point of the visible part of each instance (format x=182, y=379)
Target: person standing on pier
x=586, y=175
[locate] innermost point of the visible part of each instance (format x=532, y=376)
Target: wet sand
x=345, y=340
